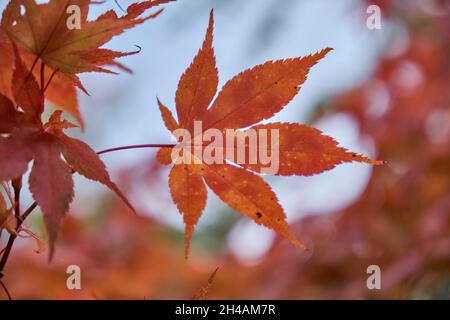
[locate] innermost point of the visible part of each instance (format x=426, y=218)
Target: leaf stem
x=17, y=187
x=137, y=146
x=50, y=79
x=33, y=65
x=42, y=75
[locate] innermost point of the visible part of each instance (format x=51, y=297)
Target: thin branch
x=6, y=253
x=7, y=250
x=17, y=186
x=6, y=290
x=27, y=212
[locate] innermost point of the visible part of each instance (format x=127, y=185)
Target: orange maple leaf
x=247, y=99
x=61, y=92
x=42, y=30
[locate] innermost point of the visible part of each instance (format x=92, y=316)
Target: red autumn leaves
x=249, y=98
x=34, y=35
x=42, y=31
x=50, y=180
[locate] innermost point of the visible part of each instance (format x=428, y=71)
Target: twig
x=17, y=185
x=27, y=212
x=6, y=290
x=7, y=250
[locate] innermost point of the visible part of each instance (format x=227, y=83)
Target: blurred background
x=382, y=92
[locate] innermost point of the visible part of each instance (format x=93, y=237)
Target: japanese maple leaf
x=42, y=30
x=247, y=99
x=23, y=138
x=61, y=92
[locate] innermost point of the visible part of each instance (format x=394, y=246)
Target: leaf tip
x=375, y=162
x=119, y=193
x=322, y=53
x=289, y=235
x=187, y=241
x=209, y=32
x=51, y=251
x=299, y=245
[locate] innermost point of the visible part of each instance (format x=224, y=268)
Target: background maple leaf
x=41, y=31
